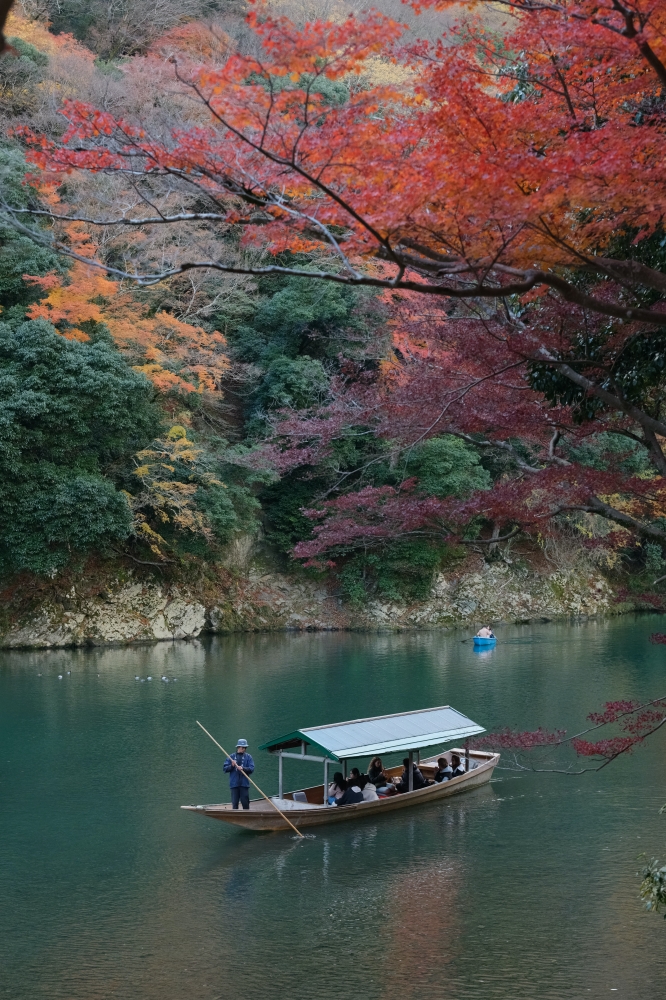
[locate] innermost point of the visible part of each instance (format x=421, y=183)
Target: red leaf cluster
x=636, y=721
x=509, y=739
x=495, y=164
x=612, y=711
x=609, y=748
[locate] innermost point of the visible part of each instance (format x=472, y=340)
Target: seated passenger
x=485, y=633
x=418, y=781
x=457, y=765
x=355, y=775
x=368, y=789
x=376, y=773
x=353, y=794
x=337, y=788
x=444, y=770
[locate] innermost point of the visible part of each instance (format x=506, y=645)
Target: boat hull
x=479, y=641
x=263, y=817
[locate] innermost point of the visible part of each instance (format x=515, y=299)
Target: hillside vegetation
x=153, y=426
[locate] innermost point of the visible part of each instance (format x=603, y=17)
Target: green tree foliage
x=301, y=317
x=611, y=451
x=401, y=571
x=19, y=254
x=294, y=382
x=283, y=504
x=443, y=466
x=297, y=383
x=404, y=569
x=67, y=411
x=637, y=365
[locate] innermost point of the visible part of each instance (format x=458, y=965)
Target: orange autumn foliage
x=37, y=33
x=504, y=158
x=193, y=40
x=69, y=302
x=500, y=165
x=173, y=354
x=178, y=356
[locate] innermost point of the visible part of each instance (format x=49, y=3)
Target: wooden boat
x=483, y=642
x=262, y=816
x=348, y=740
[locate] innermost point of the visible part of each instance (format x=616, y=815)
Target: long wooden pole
x=270, y=801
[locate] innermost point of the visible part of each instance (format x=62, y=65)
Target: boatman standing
x=238, y=782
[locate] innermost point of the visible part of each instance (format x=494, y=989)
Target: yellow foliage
x=165, y=498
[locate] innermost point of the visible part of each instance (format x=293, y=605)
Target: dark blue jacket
x=418, y=780
x=349, y=798
x=236, y=779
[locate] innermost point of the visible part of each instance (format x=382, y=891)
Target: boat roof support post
x=467, y=755
x=326, y=781
x=410, y=779
x=280, y=775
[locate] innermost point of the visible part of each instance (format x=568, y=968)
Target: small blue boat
x=482, y=642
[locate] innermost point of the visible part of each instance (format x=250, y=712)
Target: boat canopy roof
x=382, y=734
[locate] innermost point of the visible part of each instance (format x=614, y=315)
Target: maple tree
x=511, y=180
x=636, y=722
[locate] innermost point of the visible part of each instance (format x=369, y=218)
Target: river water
x=525, y=888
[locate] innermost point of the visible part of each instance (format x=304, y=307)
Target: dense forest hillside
x=152, y=428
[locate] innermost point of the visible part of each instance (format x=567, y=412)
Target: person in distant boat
x=352, y=794
x=238, y=782
x=376, y=773
x=485, y=632
x=457, y=766
x=355, y=776
x=368, y=789
x=418, y=781
x=337, y=788
x=444, y=771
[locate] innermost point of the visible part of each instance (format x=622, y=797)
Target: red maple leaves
x=497, y=169
x=637, y=722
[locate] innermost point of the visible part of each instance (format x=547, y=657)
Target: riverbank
x=131, y=608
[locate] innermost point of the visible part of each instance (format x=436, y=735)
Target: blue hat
x=241, y=743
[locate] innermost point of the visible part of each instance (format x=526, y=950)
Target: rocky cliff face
x=130, y=612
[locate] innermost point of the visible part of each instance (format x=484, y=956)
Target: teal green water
x=523, y=889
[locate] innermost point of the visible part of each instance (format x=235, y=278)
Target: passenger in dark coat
x=376, y=773
x=238, y=782
x=457, y=765
x=418, y=781
x=351, y=795
x=444, y=770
